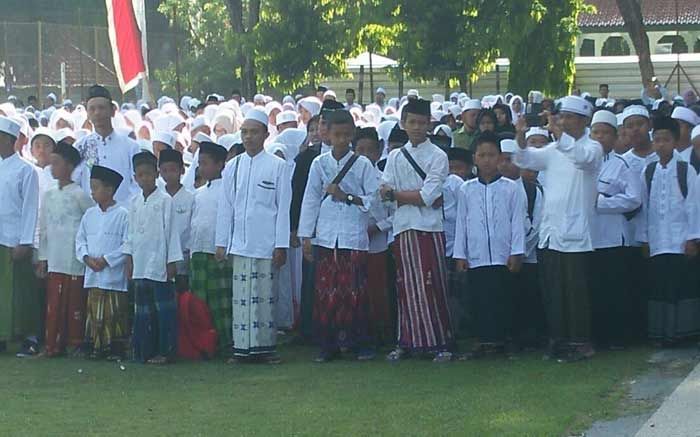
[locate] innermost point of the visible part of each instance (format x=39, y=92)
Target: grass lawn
x=527, y=397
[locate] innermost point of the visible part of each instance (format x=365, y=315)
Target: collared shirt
x=572, y=168
x=619, y=192
x=400, y=175
x=113, y=151
x=102, y=234
x=253, y=212
x=183, y=203
x=46, y=182
x=19, y=201
x=203, y=232
x=637, y=165
x=490, y=222
x=152, y=240
x=463, y=139
x=59, y=221
x=450, y=194
x=337, y=224
x=666, y=216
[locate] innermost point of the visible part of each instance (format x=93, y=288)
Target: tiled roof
x=655, y=12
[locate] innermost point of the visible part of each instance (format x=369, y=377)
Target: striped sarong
x=65, y=312
x=254, y=327
x=210, y=281
x=421, y=281
x=106, y=328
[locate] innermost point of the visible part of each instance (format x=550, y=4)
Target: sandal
x=443, y=357
x=158, y=360
x=395, y=355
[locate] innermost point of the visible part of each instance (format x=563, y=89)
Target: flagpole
x=177, y=54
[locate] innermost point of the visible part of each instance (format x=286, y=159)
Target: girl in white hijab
x=517, y=107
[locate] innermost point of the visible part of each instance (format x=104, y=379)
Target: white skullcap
x=256, y=114
x=62, y=134
x=620, y=120
x=509, y=146
x=201, y=137
x=471, y=104
x=576, y=105
x=695, y=133
x=329, y=93
x=45, y=132
x=271, y=106
x=380, y=90
x=412, y=93
x=685, y=114
x=633, y=110
x=604, y=117
x=8, y=109
x=285, y=117
x=437, y=115
x=443, y=128
x=198, y=122
x=9, y=126
x=165, y=138
x=455, y=110
x=258, y=98
x=536, y=131
x=227, y=141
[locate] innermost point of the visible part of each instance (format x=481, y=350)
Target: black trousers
x=610, y=304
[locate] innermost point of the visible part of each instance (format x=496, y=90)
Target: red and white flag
x=127, y=36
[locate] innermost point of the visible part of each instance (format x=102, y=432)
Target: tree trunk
x=631, y=12
x=251, y=75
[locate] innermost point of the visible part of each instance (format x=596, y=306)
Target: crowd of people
x=202, y=229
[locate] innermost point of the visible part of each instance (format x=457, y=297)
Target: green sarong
x=210, y=281
x=20, y=300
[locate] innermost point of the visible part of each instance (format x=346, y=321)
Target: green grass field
x=527, y=397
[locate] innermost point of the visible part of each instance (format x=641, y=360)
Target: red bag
x=196, y=336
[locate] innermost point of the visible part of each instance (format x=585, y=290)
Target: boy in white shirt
x=335, y=208
x=210, y=280
x=489, y=242
x=62, y=210
x=669, y=206
x=152, y=247
x=381, y=318
x=171, y=168
x=98, y=245
x=19, y=197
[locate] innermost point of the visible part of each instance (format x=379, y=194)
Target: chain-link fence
x=38, y=58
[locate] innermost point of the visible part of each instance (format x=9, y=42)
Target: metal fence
x=38, y=58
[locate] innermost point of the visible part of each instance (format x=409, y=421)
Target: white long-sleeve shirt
x=619, y=192
x=253, y=212
x=380, y=215
x=572, y=168
x=665, y=217
x=337, y=224
x=450, y=193
x=102, y=234
x=203, y=229
x=59, y=221
x=152, y=240
x=637, y=165
x=490, y=222
x=400, y=175
x=183, y=204
x=115, y=152
x=46, y=182
x=19, y=201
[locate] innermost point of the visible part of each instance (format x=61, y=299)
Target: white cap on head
x=311, y=104
x=471, y=104
x=227, y=141
x=509, y=146
x=412, y=93
x=46, y=132
x=256, y=114
x=685, y=114
x=536, y=131
x=63, y=133
x=285, y=117
x=695, y=133
x=456, y=111
x=165, y=138
x=605, y=117
x=198, y=122
x=620, y=120
x=380, y=90
x=576, y=105
x=201, y=137
x=633, y=110
x=9, y=126
x=329, y=93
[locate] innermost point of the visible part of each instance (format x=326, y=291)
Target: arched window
x=587, y=48
x=678, y=44
x=615, y=46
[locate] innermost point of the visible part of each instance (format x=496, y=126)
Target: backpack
x=681, y=172
x=531, y=192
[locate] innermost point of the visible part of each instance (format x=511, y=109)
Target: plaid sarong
x=210, y=281
x=155, y=320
